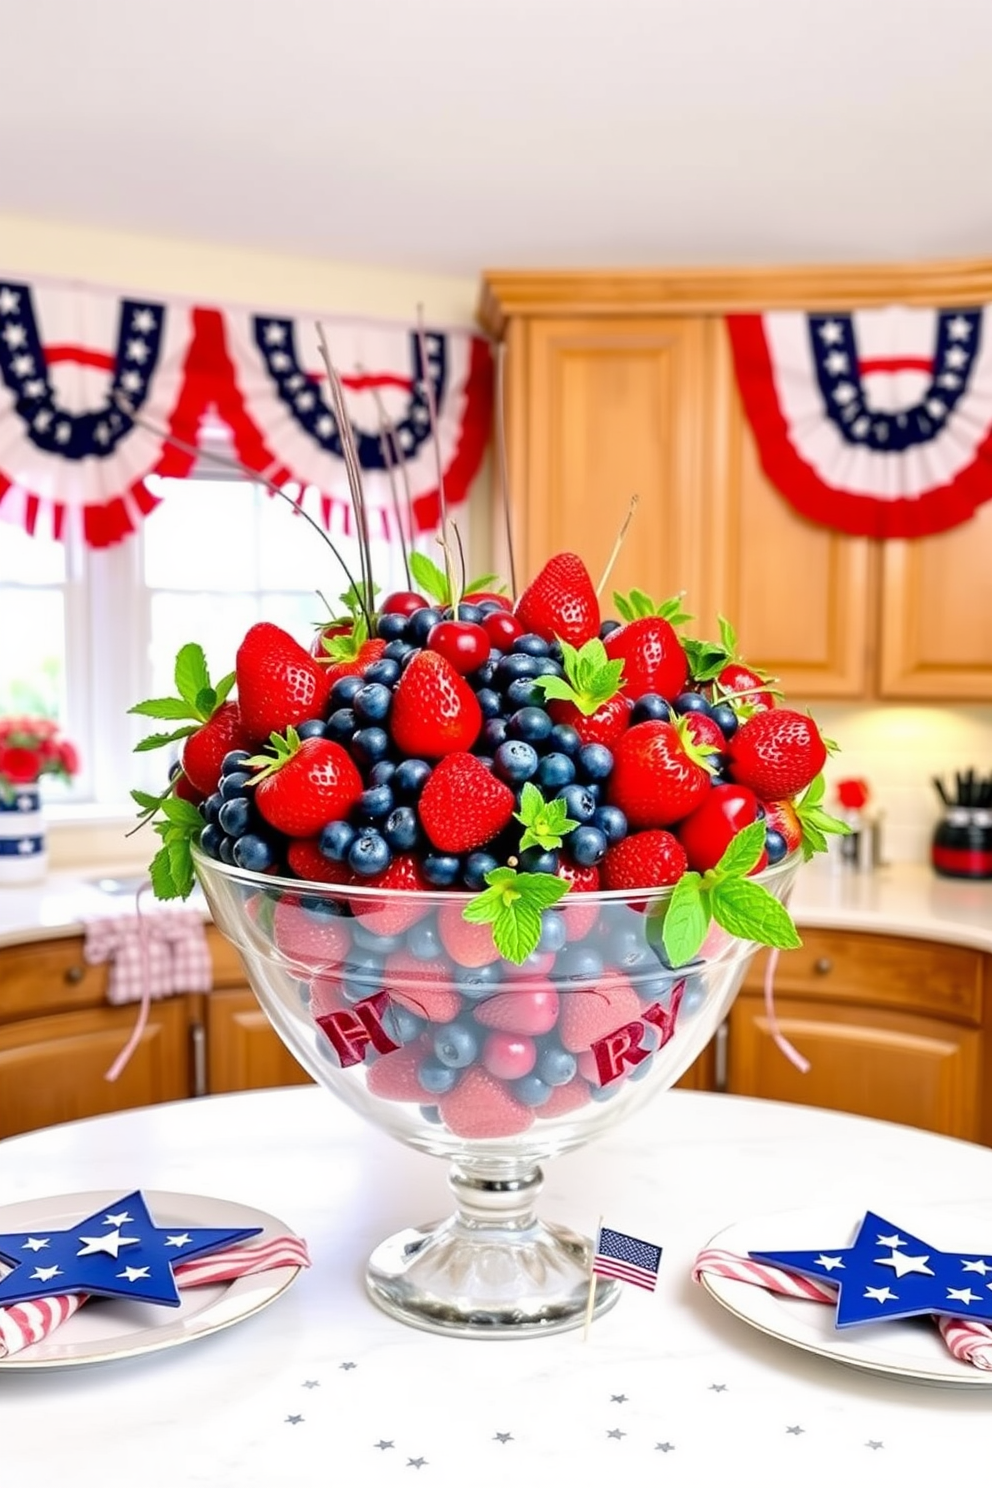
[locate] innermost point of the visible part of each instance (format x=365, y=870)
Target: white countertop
x=322, y=1388
x=902, y=899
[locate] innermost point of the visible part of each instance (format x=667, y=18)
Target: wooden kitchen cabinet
x=239, y=1048
x=894, y=1028
x=619, y=383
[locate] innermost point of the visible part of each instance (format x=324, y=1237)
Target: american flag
x=627, y=1259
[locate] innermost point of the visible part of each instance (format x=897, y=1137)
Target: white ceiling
x=449, y=134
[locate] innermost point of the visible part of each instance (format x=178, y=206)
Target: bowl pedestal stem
x=492, y=1269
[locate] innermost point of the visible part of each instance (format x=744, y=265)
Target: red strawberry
x=588, y=696
x=706, y=833
x=579, y=918
x=203, y=751
x=747, y=688
x=481, y=1106
x=303, y=788
x=604, y=726
x=279, y=683
x=356, y=666
x=658, y=777
x=531, y=1007
x=422, y=987
x=465, y=943
x=307, y=861
x=590, y=1013
x=644, y=860
x=184, y=789
x=463, y=805
x=652, y=656
x=314, y=940
x=435, y=712
x=781, y=817
x=394, y=1075
x=777, y=753
x=561, y=602
x=565, y=1098
x=705, y=731
x=393, y=916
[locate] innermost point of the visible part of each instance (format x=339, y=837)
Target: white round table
x=322, y=1388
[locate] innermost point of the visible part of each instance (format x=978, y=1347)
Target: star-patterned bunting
x=116, y=1252
x=888, y=1273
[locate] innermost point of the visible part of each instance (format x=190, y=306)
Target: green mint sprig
x=198, y=699
x=636, y=605
x=512, y=905
x=171, y=869
x=815, y=822
x=546, y=822
x=434, y=581
x=727, y=895
x=591, y=678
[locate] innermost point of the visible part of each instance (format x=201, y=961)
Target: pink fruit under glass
x=493, y=1066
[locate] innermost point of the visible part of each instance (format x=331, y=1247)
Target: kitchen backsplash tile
x=898, y=748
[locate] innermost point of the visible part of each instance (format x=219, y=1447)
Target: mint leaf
x=706, y=659
x=192, y=675
x=197, y=700
x=746, y=909
x=164, y=708
x=512, y=904
x=156, y=741
x=591, y=679
x=160, y=873
x=224, y=687
x=429, y=577
x=546, y=822
x=145, y=801
x=485, y=583
x=182, y=813
x=815, y=822
x=686, y=919
x=743, y=851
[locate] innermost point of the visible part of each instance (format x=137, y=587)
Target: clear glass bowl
x=408, y=1014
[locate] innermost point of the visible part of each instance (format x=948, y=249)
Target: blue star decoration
x=888, y=1273
x=116, y=1252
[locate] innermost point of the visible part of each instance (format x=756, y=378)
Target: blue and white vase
x=23, y=849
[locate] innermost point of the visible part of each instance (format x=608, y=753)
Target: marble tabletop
x=322, y=1388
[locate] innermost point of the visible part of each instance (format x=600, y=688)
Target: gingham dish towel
x=29, y=1322
x=971, y=1342
x=153, y=954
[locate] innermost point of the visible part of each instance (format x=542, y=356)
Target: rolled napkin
x=30, y=1322
x=969, y=1342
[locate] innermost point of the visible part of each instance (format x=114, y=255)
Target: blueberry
x=401, y=829
x=435, y=1077
x=489, y=607
x=311, y=728
x=602, y=1093
x=369, y=745
x=691, y=702
x=607, y=628
x=530, y=724
x=376, y=802
x=410, y=778
x=489, y=701
x=341, y=725
x=420, y=625
x=515, y=667
x=470, y=613
x=580, y=802
x=234, y=816
x=401, y=1025
x=531, y=1090
x=516, y=761
x=478, y=982
x=492, y=736
x=651, y=706
x=564, y=739
x=385, y=672
x=369, y=854
x=233, y=760
x=530, y=645
x=554, y=771
x=595, y=762
x=225, y=851
x=372, y=702
x=382, y=773
x=336, y=839
x=555, y=1066
x=456, y=1045
x=443, y=870
x=485, y=675
x=361, y=976
x=725, y=719
x=211, y=806
x=431, y=1114
x=775, y=845
x=397, y=651
x=390, y=627
x=611, y=822
x=523, y=692
x=234, y=784
x=587, y=845
x=374, y=941
x=344, y=690
x=553, y=932
x=537, y=860
x=211, y=838
x=578, y=963
x=423, y=941
x=477, y=865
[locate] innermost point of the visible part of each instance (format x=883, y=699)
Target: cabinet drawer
x=882, y=971
x=48, y=976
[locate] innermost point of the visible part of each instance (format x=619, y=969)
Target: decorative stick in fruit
x=617, y=545
x=354, y=476
x=502, y=465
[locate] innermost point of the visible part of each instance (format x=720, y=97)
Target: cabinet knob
x=74, y=975
x=823, y=965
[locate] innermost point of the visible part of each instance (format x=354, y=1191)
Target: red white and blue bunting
x=877, y=423
x=74, y=361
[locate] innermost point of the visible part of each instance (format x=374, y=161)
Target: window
x=85, y=634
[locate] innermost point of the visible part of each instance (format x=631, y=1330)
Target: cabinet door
x=936, y=616
x=609, y=409
x=894, y=1066
x=797, y=593
x=52, y=1069
x=244, y=1052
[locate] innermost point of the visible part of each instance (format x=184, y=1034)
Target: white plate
x=106, y=1328
x=911, y=1348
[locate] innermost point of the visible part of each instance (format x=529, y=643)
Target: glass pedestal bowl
x=408, y=1014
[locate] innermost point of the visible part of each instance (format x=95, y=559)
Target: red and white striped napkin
x=29, y=1322
x=970, y=1342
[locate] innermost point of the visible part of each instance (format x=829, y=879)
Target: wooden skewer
x=617, y=545
x=591, y=1302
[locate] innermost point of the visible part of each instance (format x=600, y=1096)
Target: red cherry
x=502, y=628
x=508, y=1056
x=461, y=642
x=707, y=832
x=403, y=602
